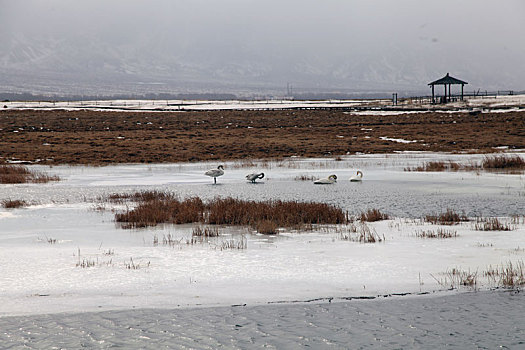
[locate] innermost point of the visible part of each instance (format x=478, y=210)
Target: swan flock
x=215, y=173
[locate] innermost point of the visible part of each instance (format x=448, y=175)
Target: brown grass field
x=91, y=137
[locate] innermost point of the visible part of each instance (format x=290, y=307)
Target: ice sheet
x=42, y=277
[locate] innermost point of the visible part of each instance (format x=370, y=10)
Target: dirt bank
x=91, y=137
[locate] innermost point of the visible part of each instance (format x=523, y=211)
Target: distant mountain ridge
x=93, y=65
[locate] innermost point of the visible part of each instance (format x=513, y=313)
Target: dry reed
x=509, y=276
x=491, y=163
x=457, y=278
x=305, y=178
x=151, y=212
x=267, y=227
x=448, y=218
x=360, y=233
x=17, y=174
x=372, y=215
x=503, y=162
x=12, y=204
x=166, y=208
x=230, y=211
x=232, y=243
x=439, y=233
x=205, y=232
x=491, y=224
x=436, y=166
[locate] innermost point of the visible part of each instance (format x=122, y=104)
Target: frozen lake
x=38, y=277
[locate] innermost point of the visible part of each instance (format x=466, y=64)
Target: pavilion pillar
x=445, y=100
x=433, y=101
x=462, y=91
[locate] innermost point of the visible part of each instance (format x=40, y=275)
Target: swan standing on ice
x=215, y=173
x=357, y=177
x=254, y=176
x=326, y=181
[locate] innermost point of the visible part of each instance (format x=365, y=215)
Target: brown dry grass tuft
x=463, y=278
x=448, y=218
x=491, y=224
x=17, y=174
x=151, y=212
x=305, y=178
x=232, y=243
x=205, y=232
x=509, y=276
x=439, y=233
x=166, y=208
x=373, y=215
x=436, y=166
x=503, y=162
x=360, y=233
x=457, y=278
x=491, y=163
x=12, y=204
x=267, y=227
x=230, y=211
x=137, y=196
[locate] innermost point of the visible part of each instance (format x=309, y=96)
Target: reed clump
x=131, y=265
x=265, y=216
x=449, y=217
x=463, y=278
x=436, y=166
x=503, y=162
x=166, y=209
x=231, y=211
x=205, y=232
x=372, y=215
x=361, y=233
x=439, y=233
x=491, y=224
x=141, y=196
x=267, y=227
x=235, y=244
x=508, y=276
x=490, y=163
x=457, y=278
x=17, y=174
x=304, y=177
x=13, y=204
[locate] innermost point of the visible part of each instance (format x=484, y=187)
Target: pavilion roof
x=447, y=79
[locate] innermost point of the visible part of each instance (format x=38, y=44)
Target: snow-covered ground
x=484, y=320
x=40, y=275
x=184, y=105
x=498, y=103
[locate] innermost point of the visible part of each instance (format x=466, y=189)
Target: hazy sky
x=406, y=40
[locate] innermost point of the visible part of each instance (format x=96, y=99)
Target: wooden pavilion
x=447, y=80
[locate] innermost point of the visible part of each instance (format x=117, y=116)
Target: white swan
x=254, y=176
x=215, y=173
x=326, y=181
x=357, y=177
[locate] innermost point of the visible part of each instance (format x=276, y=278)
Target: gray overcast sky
x=342, y=43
